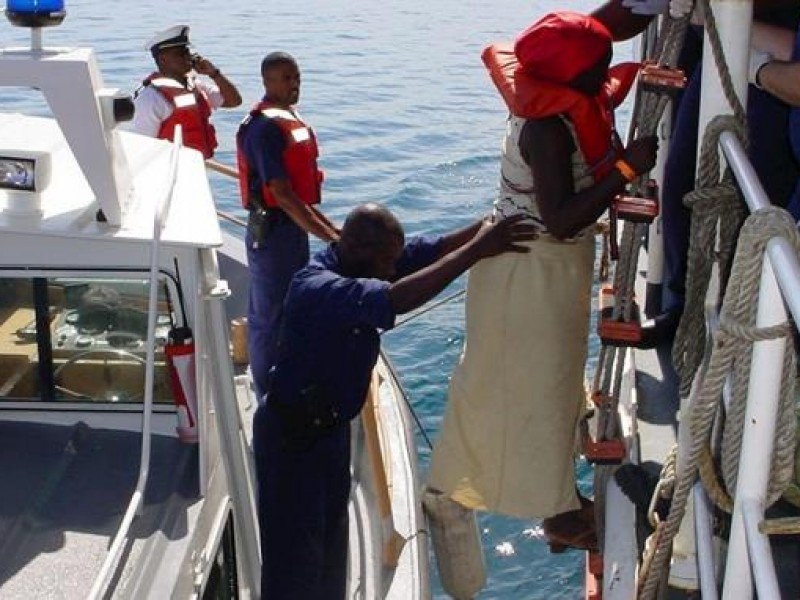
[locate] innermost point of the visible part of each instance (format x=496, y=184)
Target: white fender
x=456, y=544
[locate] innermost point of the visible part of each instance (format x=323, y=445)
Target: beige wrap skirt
x=507, y=443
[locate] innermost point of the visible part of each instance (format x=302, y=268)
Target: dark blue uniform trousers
x=303, y=491
x=272, y=265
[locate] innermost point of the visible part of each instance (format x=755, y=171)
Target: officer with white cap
x=174, y=95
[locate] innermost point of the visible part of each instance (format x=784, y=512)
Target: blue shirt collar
x=327, y=258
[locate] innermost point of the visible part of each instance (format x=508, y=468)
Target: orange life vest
x=593, y=118
x=190, y=110
x=299, y=157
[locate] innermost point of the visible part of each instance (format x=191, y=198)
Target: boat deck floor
x=65, y=490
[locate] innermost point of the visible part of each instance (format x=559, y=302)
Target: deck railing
x=749, y=556
x=137, y=499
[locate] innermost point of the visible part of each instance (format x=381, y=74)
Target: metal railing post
x=136, y=503
x=758, y=438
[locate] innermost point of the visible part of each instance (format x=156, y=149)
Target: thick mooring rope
x=738, y=325
x=731, y=353
x=717, y=211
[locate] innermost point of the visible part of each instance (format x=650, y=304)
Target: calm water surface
x=406, y=116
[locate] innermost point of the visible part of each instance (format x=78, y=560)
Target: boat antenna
x=180, y=292
x=169, y=305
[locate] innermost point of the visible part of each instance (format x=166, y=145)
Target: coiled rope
x=717, y=212
x=730, y=357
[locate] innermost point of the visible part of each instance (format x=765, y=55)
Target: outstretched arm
x=622, y=19
x=455, y=239
x=489, y=239
x=771, y=67
x=781, y=79
x=330, y=224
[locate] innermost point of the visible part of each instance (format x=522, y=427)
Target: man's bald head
x=371, y=238
x=369, y=224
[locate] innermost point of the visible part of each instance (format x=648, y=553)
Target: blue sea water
x=406, y=116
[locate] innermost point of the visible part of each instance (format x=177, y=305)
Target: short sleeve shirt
x=263, y=145
x=152, y=109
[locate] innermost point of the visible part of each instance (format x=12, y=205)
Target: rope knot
x=712, y=199
x=730, y=328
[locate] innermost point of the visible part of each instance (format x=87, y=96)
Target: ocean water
x=406, y=116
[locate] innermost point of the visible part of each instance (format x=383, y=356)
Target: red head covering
x=561, y=45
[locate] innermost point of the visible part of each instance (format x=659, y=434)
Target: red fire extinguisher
x=179, y=351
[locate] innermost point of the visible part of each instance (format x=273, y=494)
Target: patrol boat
x=124, y=439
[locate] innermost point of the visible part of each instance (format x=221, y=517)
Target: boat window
x=79, y=340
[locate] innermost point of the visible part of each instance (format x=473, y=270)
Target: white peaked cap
x=177, y=35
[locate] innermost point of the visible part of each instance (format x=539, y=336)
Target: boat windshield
x=79, y=339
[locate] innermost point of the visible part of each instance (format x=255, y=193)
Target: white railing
x=238, y=469
x=137, y=499
x=749, y=556
x=781, y=253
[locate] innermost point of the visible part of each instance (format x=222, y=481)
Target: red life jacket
x=190, y=110
x=299, y=157
x=593, y=118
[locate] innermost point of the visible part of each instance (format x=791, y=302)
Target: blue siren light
x=35, y=13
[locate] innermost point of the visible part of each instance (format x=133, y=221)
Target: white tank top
x=517, y=193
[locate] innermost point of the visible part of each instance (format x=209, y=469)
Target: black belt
x=308, y=416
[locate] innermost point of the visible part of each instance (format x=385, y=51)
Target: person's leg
x=334, y=576
x=292, y=510
x=679, y=179
x=262, y=430
x=271, y=267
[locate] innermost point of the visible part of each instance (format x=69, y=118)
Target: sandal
x=574, y=529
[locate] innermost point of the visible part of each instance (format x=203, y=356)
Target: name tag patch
x=185, y=100
x=301, y=135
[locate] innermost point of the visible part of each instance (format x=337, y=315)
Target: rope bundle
x=730, y=357
x=717, y=214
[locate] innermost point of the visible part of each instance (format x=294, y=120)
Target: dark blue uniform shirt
x=330, y=328
x=263, y=145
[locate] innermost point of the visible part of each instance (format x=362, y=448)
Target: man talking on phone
x=175, y=95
